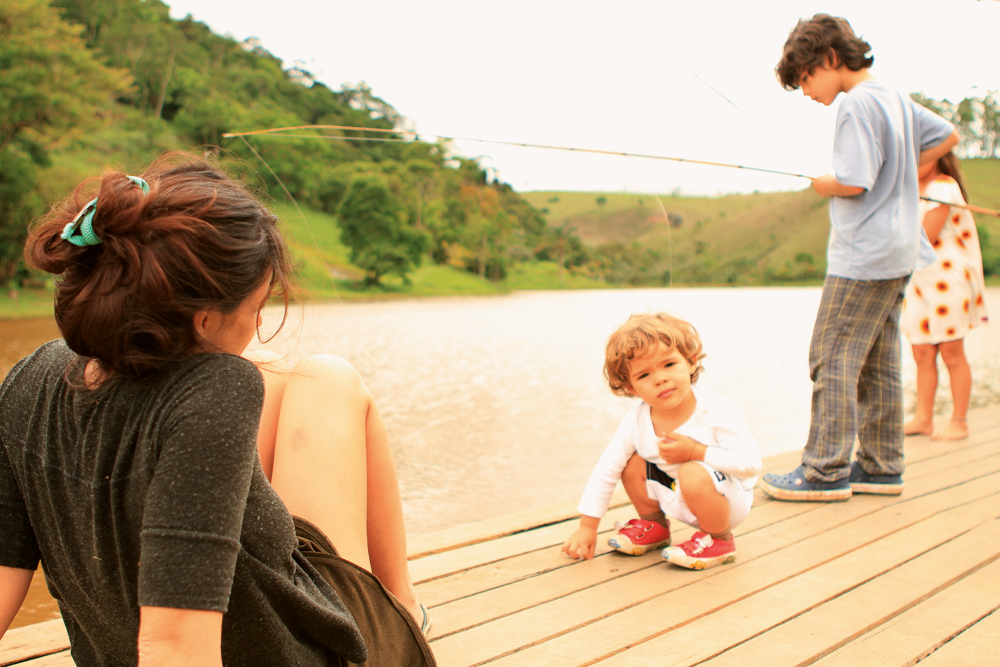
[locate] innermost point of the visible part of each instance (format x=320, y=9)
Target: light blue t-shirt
x=877, y=235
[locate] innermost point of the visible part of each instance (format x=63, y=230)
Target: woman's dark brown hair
x=949, y=166
x=198, y=241
x=811, y=42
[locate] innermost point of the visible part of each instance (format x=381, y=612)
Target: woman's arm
x=171, y=637
x=14, y=583
x=934, y=221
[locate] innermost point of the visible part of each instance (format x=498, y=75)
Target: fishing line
x=336, y=292
x=670, y=237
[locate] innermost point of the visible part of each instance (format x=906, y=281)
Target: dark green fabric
x=392, y=636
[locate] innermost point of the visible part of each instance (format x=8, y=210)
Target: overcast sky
x=631, y=76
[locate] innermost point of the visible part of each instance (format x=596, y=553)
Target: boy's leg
x=880, y=392
x=851, y=316
x=851, y=319
x=634, y=482
x=703, y=498
x=652, y=529
x=703, y=490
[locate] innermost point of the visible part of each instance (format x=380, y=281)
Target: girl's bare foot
x=918, y=426
x=955, y=430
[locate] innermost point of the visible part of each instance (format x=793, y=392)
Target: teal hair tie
x=84, y=220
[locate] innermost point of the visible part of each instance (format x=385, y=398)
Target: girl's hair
x=198, y=241
x=811, y=42
x=949, y=166
x=642, y=332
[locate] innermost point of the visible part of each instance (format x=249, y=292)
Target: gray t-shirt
x=154, y=495
x=877, y=235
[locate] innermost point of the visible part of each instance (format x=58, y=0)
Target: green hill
x=761, y=238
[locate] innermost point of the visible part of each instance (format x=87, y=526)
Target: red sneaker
x=701, y=552
x=638, y=536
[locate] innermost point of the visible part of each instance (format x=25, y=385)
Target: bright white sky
x=615, y=76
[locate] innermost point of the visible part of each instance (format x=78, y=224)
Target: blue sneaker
x=795, y=486
x=882, y=485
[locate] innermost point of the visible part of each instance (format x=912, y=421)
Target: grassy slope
x=736, y=238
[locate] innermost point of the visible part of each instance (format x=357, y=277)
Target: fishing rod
x=507, y=143
x=279, y=131
x=974, y=209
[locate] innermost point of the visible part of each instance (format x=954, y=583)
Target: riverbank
x=429, y=281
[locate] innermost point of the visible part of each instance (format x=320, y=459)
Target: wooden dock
x=879, y=581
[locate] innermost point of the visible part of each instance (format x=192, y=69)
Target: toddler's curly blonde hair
x=641, y=332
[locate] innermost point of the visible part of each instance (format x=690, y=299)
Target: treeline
x=977, y=120
x=89, y=82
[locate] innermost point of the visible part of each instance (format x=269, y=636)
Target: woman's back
x=162, y=473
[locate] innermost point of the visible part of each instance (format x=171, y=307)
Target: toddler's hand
x=675, y=448
x=581, y=543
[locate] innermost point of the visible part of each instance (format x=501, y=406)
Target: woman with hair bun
x=179, y=496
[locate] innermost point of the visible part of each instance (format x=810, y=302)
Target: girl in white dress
x=945, y=300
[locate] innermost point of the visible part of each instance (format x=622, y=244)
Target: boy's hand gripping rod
x=974, y=209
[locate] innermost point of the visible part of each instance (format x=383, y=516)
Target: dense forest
x=90, y=83
x=132, y=82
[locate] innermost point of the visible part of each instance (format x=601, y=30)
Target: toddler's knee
x=695, y=479
x=635, y=470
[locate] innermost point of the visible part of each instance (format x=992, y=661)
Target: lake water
x=496, y=405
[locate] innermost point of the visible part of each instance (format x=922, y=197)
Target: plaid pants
x=854, y=363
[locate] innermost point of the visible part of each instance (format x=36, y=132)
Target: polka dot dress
x=943, y=301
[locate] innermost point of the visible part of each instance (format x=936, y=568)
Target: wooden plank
x=973, y=648
x=554, y=576
x=482, y=531
x=918, y=632
x=484, y=553
x=811, y=635
x=61, y=659
x=516, y=588
x=30, y=641
x=515, y=566
x=738, y=620
x=569, y=625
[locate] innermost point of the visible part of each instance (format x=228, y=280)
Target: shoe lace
x=703, y=542
x=634, y=524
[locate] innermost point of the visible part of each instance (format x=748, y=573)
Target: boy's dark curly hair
x=811, y=42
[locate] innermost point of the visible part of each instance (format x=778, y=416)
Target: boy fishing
x=876, y=243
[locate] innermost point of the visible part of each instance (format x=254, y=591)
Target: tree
x=562, y=236
x=374, y=226
x=18, y=204
x=51, y=91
